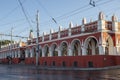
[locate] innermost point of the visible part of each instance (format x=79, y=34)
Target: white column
x=101, y=50
x=59, y=51
x=43, y=53
x=115, y=50
x=83, y=50
x=26, y=53
x=112, y=50
x=18, y=53
x=15, y=54
x=31, y=53
x=118, y=50
x=69, y=50
x=50, y=51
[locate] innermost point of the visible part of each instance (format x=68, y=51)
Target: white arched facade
x=109, y=47
x=64, y=48
x=91, y=46
x=76, y=47
x=46, y=51
x=54, y=49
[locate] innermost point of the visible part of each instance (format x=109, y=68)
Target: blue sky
x=63, y=11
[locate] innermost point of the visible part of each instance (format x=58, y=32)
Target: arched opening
x=76, y=48
x=22, y=56
x=46, y=50
x=34, y=51
x=54, y=50
x=28, y=50
x=109, y=46
x=64, y=49
x=91, y=46
x=40, y=51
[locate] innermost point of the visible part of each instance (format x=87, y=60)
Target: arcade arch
x=46, y=51
x=64, y=49
x=54, y=49
x=76, y=48
x=109, y=47
x=91, y=46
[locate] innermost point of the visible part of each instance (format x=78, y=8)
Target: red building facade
x=93, y=44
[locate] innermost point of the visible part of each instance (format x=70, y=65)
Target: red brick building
x=93, y=44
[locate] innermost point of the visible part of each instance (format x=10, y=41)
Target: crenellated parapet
x=92, y=26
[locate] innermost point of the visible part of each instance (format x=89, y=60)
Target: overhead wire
x=80, y=11
x=23, y=10
x=10, y=12
x=46, y=11
x=73, y=11
x=49, y=15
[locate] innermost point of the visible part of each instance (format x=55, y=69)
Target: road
x=22, y=72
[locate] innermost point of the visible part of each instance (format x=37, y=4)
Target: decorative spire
x=76, y=25
x=31, y=36
x=91, y=20
x=70, y=25
x=101, y=16
x=84, y=21
x=51, y=31
x=60, y=28
x=114, y=18
x=44, y=33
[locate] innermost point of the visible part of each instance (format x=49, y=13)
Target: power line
x=24, y=13
x=92, y=3
x=80, y=10
x=9, y=13
x=73, y=11
x=46, y=11
x=13, y=35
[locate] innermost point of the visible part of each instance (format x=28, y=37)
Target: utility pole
x=37, y=39
x=11, y=42
x=1, y=42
